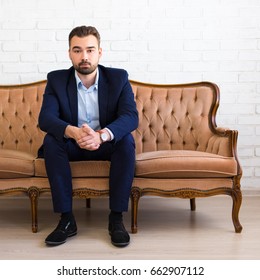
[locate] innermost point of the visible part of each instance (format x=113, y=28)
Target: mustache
x=84, y=62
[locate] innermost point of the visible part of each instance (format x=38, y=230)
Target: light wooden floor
x=167, y=230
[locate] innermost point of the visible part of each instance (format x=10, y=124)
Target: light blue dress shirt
x=88, y=110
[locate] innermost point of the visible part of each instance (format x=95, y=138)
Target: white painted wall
x=166, y=41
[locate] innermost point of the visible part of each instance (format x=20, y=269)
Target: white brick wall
x=166, y=41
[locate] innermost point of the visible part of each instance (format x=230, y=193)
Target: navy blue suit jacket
x=117, y=107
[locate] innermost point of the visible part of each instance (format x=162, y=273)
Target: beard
x=85, y=68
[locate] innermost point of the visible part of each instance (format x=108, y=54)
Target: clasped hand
x=87, y=138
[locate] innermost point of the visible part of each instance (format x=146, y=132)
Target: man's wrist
x=68, y=131
x=104, y=135
x=110, y=133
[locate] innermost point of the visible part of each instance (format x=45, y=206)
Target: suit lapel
x=73, y=98
x=102, y=98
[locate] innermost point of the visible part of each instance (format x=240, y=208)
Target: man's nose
x=84, y=55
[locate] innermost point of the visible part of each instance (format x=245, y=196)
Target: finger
x=86, y=128
x=92, y=147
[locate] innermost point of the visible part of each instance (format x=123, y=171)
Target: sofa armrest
x=224, y=142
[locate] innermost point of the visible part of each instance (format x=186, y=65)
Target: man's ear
x=100, y=51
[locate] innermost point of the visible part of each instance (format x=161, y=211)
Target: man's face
x=85, y=54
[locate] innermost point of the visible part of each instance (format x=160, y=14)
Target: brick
x=16, y=46
x=37, y=35
x=249, y=55
x=246, y=152
x=248, y=172
x=38, y=57
x=243, y=109
x=237, y=66
x=217, y=55
x=257, y=152
x=200, y=66
x=9, y=35
x=8, y=57
x=249, y=77
x=249, y=120
x=23, y=68
x=19, y=24
x=257, y=172
x=53, y=24
x=201, y=45
x=164, y=46
x=249, y=44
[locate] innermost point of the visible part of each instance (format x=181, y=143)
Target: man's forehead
x=89, y=40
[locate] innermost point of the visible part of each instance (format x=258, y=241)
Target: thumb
x=86, y=128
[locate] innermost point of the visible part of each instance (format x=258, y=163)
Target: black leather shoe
x=64, y=230
x=118, y=233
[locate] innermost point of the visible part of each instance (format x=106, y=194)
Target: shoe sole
x=62, y=242
x=122, y=244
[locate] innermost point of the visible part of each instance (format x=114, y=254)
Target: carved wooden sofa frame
x=180, y=151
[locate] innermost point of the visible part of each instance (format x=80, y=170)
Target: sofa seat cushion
x=79, y=169
x=16, y=164
x=184, y=164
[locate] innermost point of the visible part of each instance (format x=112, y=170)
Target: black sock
x=67, y=216
x=115, y=217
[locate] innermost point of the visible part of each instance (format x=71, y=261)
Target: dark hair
x=83, y=31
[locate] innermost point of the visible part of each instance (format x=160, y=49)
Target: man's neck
x=88, y=80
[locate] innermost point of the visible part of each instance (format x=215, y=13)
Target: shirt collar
x=80, y=84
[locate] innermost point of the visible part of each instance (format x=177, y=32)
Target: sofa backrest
x=175, y=117
x=171, y=116
x=19, y=110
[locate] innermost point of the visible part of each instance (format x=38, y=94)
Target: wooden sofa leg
x=192, y=204
x=135, y=196
x=33, y=193
x=237, y=200
x=88, y=202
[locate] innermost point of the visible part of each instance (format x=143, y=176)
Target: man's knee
x=48, y=140
x=51, y=144
x=125, y=148
x=127, y=140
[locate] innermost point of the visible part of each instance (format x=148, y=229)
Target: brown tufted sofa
x=180, y=152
